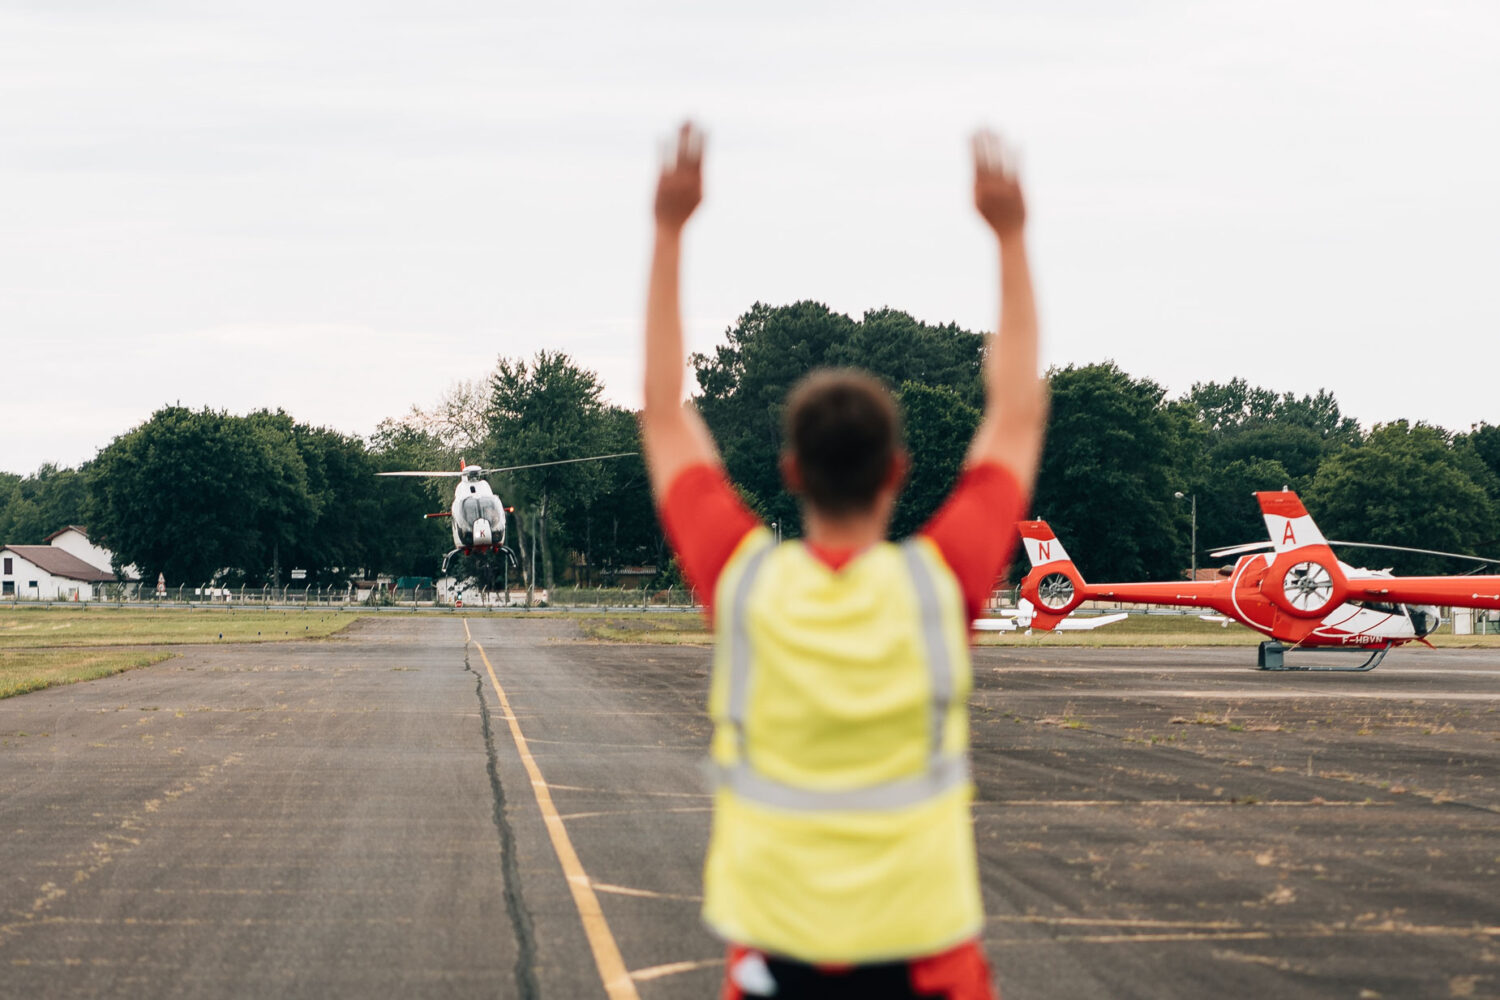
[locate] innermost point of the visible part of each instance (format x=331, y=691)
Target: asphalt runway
x=421, y=807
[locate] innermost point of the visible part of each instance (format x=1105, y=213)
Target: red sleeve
x=705, y=521
x=975, y=529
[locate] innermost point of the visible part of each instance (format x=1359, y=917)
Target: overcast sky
x=341, y=208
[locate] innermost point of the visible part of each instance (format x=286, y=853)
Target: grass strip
x=23, y=670
x=49, y=627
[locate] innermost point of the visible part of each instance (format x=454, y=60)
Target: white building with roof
x=49, y=573
x=68, y=568
x=75, y=539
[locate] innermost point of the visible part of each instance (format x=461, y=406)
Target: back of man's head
x=843, y=432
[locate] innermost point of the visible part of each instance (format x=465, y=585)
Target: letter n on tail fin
x=1042, y=546
x=1054, y=586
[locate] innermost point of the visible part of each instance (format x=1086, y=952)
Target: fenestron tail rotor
x=1309, y=586
x=1055, y=591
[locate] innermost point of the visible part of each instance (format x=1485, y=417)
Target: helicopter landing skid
x=502, y=548
x=1272, y=656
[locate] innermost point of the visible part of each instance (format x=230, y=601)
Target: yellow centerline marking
x=673, y=968
x=636, y=812
x=621, y=890
x=616, y=978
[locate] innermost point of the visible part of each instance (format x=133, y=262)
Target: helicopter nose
x=483, y=535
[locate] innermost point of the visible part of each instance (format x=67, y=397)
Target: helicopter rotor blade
x=1235, y=550
x=1425, y=552
x=424, y=474
x=561, y=461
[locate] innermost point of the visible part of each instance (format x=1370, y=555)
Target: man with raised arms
x=842, y=859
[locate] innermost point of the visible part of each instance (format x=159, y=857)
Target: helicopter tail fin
x=1042, y=546
x=1287, y=522
x=1054, y=586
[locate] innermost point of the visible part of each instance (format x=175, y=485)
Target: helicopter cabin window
x=1385, y=609
x=486, y=507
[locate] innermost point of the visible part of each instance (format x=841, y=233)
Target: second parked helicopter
x=1299, y=594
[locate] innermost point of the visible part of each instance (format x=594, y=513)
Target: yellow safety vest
x=841, y=826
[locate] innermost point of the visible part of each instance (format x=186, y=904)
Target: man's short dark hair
x=843, y=430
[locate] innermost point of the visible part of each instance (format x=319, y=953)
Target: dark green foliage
x=33, y=507
x=1249, y=424
x=397, y=539
x=902, y=350
x=744, y=385
x=1108, y=474
x=193, y=493
x=343, y=492
x=1484, y=443
x=939, y=426
x=1407, y=485
x=204, y=496
x=616, y=526
x=547, y=410
x=1247, y=439
x=1227, y=511
x=1236, y=405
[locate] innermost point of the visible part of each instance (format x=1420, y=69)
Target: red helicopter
x=1299, y=594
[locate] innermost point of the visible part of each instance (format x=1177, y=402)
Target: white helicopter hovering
x=478, y=516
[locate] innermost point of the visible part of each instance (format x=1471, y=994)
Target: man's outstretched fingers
x=689, y=145
x=983, y=142
x=992, y=154
x=997, y=192
x=680, y=186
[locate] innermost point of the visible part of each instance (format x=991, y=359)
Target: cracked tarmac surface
x=353, y=818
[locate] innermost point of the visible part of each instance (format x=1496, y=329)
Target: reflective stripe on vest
x=944, y=771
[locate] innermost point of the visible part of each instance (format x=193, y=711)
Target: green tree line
x=203, y=494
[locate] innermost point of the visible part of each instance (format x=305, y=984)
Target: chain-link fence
x=141, y=594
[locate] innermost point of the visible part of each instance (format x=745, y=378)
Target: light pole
x=1194, y=553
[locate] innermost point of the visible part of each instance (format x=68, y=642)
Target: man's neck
x=851, y=532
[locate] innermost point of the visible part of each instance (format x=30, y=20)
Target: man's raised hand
x=680, y=186
x=997, y=191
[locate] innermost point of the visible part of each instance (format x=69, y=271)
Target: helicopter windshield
x=487, y=507
x=473, y=508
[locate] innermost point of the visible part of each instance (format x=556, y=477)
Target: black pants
x=884, y=981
